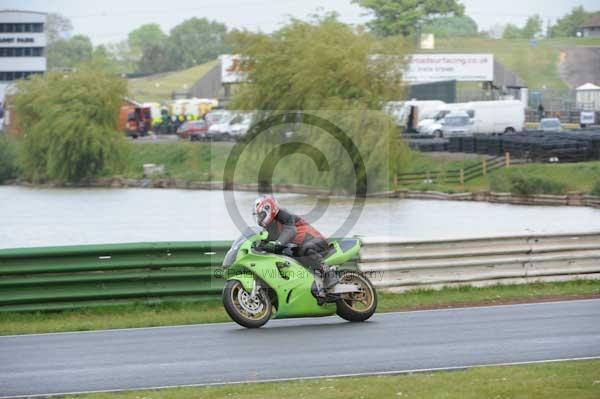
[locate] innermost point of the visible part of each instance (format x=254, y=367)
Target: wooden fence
x=458, y=176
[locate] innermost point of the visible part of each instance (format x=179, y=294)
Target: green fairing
x=291, y=282
x=340, y=256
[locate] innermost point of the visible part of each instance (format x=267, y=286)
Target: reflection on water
x=41, y=217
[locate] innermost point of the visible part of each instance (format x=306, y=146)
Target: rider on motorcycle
x=284, y=228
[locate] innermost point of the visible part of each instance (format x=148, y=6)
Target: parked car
x=230, y=126
x=240, y=125
x=434, y=124
x=550, y=125
x=193, y=130
x=457, y=124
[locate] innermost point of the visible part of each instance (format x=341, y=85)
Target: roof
x=592, y=22
x=24, y=12
x=588, y=86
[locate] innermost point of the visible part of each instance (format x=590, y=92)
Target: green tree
x=533, y=27
x=512, y=31
x=69, y=124
x=331, y=70
x=154, y=59
x=125, y=59
x=195, y=41
x=146, y=36
x=149, y=43
x=305, y=64
x=405, y=17
x=454, y=26
x=568, y=25
x=68, y=53
x=8, y=158
x=57, y=27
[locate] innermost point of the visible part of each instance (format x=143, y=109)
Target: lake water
x=46, y=217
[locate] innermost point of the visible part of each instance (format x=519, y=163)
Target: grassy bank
x=574, y=379
x=206, y=162
x=213, y=312
x=519, y=179
x=182, y=160
x=161, y=86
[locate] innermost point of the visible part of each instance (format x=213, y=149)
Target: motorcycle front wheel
x=244, y=310
x=357, y=306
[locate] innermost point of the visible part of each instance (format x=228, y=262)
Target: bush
x=499, y=183
x=526, y=185
x=536, y=185
x=69, y=124
x=596, y=189
x=8, y=158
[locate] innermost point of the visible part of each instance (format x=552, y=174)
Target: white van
x=496, y=117
x=488, y=117
x=408, y=114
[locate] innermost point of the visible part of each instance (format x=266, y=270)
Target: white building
x=22, y=44
x=588, y=97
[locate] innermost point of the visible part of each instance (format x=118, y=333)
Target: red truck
x=135, y=120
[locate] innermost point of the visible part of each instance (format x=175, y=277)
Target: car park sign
x=440, y=67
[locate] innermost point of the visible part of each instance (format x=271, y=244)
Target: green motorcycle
x=261, y=284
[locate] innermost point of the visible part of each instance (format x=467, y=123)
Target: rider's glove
x=273, y=246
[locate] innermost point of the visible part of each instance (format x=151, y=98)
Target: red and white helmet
x=265, y=210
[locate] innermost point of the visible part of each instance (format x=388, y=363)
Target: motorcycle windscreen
x=232, y=253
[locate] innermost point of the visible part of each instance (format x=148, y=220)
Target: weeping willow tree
x=334, y=72
x=69, y=124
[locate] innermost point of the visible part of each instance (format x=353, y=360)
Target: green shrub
x=596, y=189
x=528, y=185
x=8, y=158
x=500, y=183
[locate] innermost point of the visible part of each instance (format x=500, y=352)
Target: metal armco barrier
x=77, y=276
x=401, y=265
x=56, y=278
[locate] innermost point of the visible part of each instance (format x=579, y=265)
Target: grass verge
x=534, y=178
x=175, y=313
x=161, y=86
x=573, y=379
x=182, y=160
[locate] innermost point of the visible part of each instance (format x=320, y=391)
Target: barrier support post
x=507, y=159
x=484, y=167
x=462, y=176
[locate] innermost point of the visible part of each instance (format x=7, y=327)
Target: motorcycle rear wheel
x=247, y=312
x=357, y=306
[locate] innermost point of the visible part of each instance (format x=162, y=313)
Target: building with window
x=591, y=27
x=22, y=43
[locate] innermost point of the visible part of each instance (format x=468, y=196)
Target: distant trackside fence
x=456, y=176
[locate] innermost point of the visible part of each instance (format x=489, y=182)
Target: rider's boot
x=321, y=291
x=330, y=276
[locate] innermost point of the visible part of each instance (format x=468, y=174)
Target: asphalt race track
x=221, y=353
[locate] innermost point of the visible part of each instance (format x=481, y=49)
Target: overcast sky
x=110, y=20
